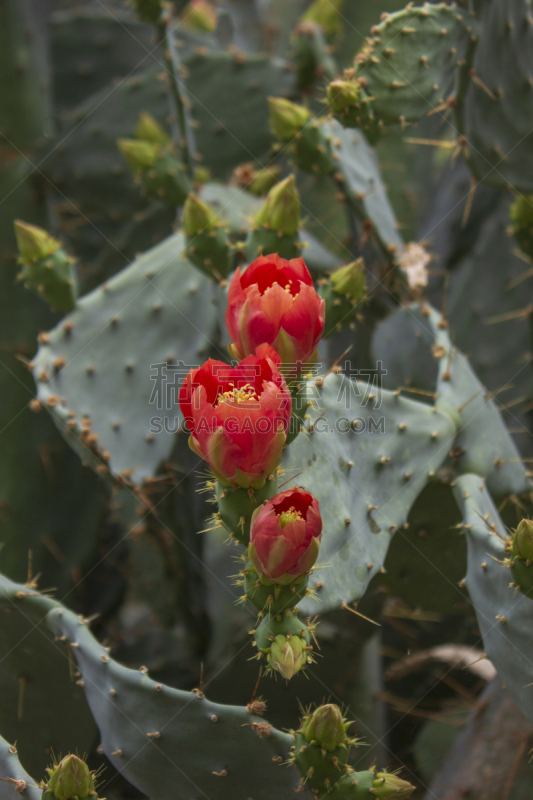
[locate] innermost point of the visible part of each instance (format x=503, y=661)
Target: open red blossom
x=285, y=536
x=238, y=417
x=274, y=301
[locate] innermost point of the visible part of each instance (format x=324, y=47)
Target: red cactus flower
x=285, y=536
x=238, y=416
x=274, y=301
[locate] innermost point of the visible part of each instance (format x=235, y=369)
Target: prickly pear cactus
x=265, y=394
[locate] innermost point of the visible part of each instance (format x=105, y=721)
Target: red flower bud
x=274, y=301
x=285, y=536
x=238, y=416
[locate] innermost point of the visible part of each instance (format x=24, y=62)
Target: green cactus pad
x=10, y=767
x=54, y=279
x=365, y=479
x=236, y=507
x=111, y=347
x=498, y=106
x=42, y=706
x=91, y=46
x=485, y=301
x=150, y=732
x=210, y=252
x=483, y=445
x=311, y=151
x=426, y=563
x=165, y=180
x=409, y=65
x=356, y=164
x=24, y=96
x=505, y=616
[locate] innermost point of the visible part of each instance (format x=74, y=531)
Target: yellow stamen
x=289, y=516
x=245, y=394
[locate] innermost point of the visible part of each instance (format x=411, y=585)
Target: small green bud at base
x=287, y=655
x=325, y=727
x=521, y=227
x=148, y=129
x=198, y=217
x=286, y=118
x=326, y=13
x=387, y=785
x=281, y=211
x=284, y=639
x=34, y=243
x=71, y=779
x=199, y=15
x=140, y=155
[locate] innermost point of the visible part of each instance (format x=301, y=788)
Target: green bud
x=281, y=211
x=34, y=243
x=521, y=215
x=391, y=786
x=199, y=15
x=288, y=655
x=264, y=180
x=349, y=281
x=140, y=155
x=198, y=217
x=326, y=727
x=148, y=129
x=70, y=779
x=522, y=546
x=286, y=118
x=343, y=95
x=326, y=13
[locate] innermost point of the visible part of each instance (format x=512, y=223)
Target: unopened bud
x=34, y=243
x=343, y=95
x=522, y=546
x=391, y=786
x=148, y=129
x=140, y=155
x=326, y=727
x=288, y=655
x=326, y=13
x=286, y=118
x=349, y=281
x=281, y=211
x=198, y=217
x=264, y=180
x=70, y=779
x=199, y=15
